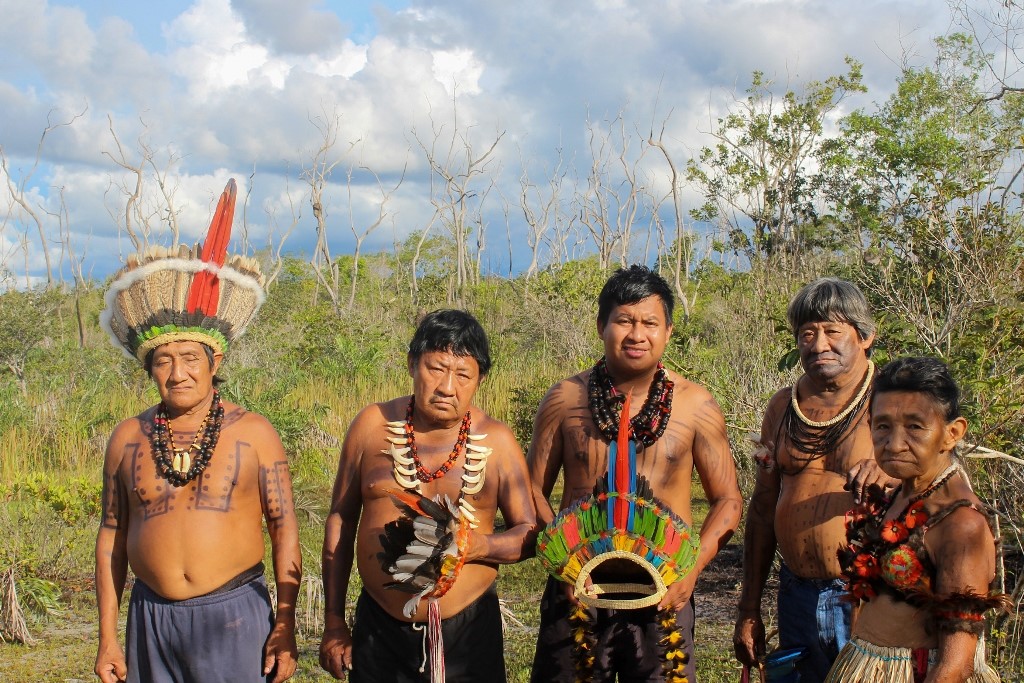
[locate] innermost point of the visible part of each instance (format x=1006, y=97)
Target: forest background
x=917, y=200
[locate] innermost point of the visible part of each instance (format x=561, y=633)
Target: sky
x=214, y=89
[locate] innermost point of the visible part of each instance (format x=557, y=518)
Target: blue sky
x=205, y=90
x=149, y=18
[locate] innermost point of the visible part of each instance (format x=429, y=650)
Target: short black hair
x=630, y=285
x=148, y=362
x=923, y=375
x=454, y=331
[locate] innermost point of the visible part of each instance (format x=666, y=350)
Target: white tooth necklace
x=410, y=473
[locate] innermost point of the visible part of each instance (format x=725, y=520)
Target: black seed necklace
x=606, y=402
x=161, y=442
x=817, y=439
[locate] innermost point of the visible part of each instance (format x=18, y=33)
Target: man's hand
x=866, y=474
x=110, y=664
x=748, y=638
x=679, y=593
x=336, y=651
x=280, y=653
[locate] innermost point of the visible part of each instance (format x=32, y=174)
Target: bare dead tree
x=680, y=249
x=246, y=243
x=25, y=252
x=382, y=213
x=139, y=218
x=18, y=189
x=417, y=254
x=67, y=244
x=481, y=232
x=9, y=244
x=544, y=214
x=74, y=262
x=318, y=176
x=276, y=248
x=133, y=221
x=167, y=191
x=455, y=170
x=275, y=241
x=615, y=193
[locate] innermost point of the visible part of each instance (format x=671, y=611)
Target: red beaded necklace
x=422, y=473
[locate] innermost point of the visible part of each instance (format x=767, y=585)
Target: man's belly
x=810, y=525
x=180, y=561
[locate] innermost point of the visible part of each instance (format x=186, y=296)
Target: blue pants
x=814, y=615
x=216, y=638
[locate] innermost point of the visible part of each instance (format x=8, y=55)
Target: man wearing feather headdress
x=188, y=483
x=419, y=481
x=627, y=435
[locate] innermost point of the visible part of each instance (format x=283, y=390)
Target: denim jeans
x=813, y=615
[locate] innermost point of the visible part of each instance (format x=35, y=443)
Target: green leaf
x=789, y=361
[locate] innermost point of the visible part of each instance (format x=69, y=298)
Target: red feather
x=622, y=467
x=411, y=499
x=204, y=295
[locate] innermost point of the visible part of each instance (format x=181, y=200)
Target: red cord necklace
x=422, y=473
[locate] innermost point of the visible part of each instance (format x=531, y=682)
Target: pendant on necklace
x=182, y=461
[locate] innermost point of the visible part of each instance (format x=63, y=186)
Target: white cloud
x=298, y=27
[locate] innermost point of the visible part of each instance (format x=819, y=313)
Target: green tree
x=757, y=179
x=25, y=318
x=932, y=182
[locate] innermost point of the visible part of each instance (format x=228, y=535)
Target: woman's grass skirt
x=863, y=662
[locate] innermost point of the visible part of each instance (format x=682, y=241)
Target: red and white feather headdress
x=188, y=294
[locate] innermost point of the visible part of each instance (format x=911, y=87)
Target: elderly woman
x=920, y=562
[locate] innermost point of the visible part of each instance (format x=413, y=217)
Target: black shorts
x=387, y=650
x=627, y=641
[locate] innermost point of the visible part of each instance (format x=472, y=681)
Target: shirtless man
x=635, y=321
x=194, y=549
x=814, y=461
x=448, y=358
x=187, y=484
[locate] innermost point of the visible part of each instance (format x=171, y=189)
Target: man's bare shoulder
x=125, y=434
x=777, y=403
x=688, y=392
x=131, y=428
x=376, y=414
x=238, y=416
x=249, y=426
x=576, y=383
x=499, y=435
x=568, y=391
x=372, y=417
